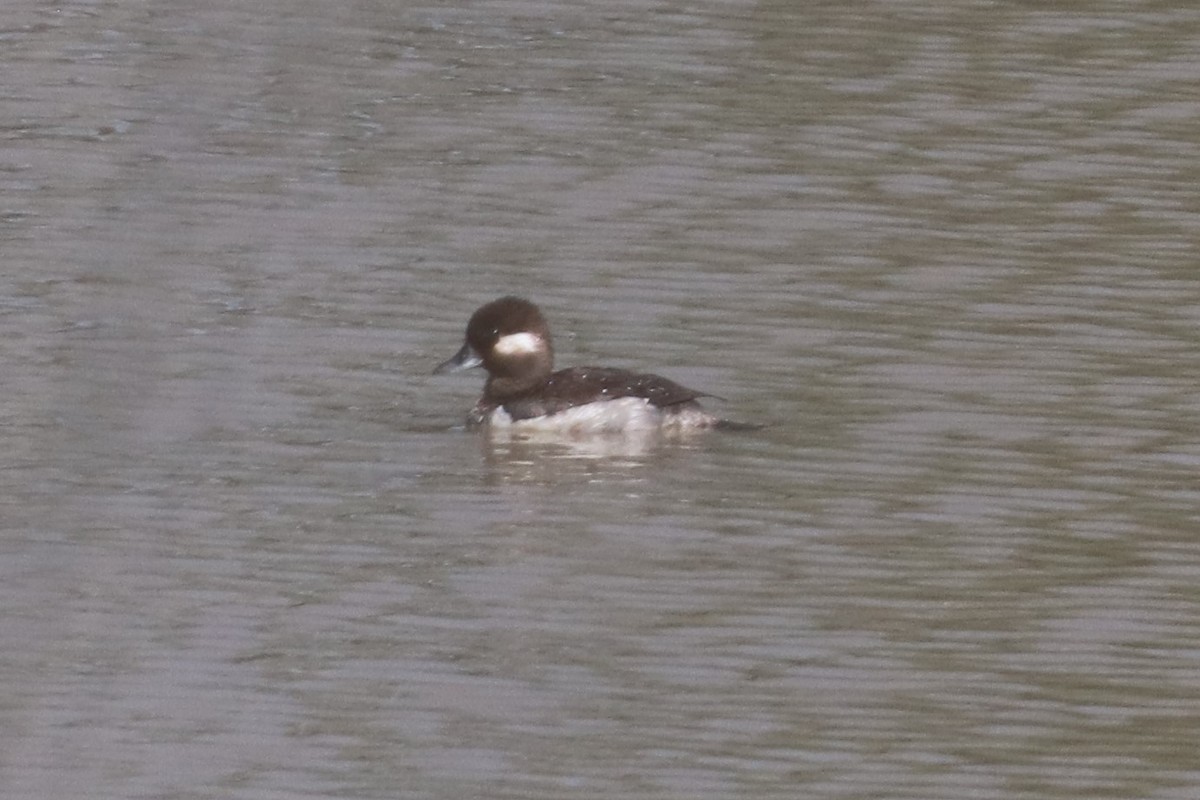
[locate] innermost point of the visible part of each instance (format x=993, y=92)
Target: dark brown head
x=510, y=339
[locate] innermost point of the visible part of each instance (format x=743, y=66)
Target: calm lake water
x=948, y=251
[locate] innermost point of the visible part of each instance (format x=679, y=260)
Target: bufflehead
x=509, y=338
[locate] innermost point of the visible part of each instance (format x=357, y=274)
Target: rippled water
x=947, y=251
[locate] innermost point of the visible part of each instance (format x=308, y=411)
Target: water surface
x=946, y=251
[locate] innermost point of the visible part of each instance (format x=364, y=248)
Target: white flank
x=624, y=416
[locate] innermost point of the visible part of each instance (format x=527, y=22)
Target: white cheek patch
x=518, y=344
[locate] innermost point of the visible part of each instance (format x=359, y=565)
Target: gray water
x=946, y=251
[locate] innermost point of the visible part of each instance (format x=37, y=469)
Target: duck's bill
x=463, y=359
